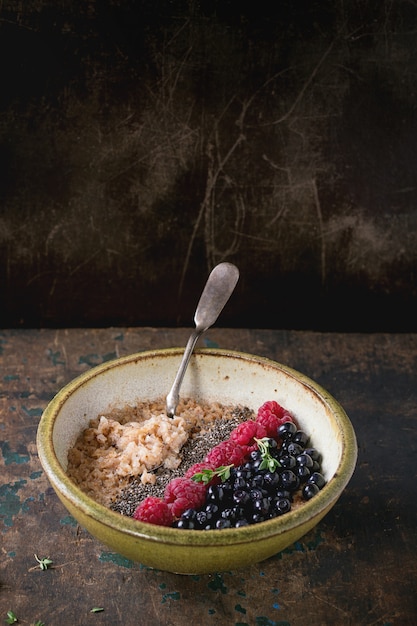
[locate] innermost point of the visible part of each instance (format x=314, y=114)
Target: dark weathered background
x=141, y=142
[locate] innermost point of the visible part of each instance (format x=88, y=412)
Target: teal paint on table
x=10, y=503
x=265, y=621
x=173, y=595
x=217, y=584
x=89, y=359
x=275, y=605
x=117, y=559
x=11, y=456
x=208, y=343
x=55, y=357
x=94, y=359
x=35, y=412
x=68, y=520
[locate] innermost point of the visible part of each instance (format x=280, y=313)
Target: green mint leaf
x=206, y=475
x=11, y=618
x=268, y=462
x=224, y=472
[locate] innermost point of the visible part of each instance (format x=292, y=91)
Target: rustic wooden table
x=358, y=567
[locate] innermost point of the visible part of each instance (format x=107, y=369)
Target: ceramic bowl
x=212, y=375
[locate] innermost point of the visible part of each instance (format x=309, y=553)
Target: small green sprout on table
x=44, y=563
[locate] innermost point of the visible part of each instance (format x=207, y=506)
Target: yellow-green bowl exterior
x=234, y=376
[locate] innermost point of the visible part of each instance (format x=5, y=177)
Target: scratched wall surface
x=143, y=142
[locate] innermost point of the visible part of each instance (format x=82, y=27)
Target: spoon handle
x=219, y=287
x=172, y=398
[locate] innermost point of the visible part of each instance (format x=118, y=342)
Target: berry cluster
x=251, y=477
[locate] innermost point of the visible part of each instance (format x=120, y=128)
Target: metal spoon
x=219, y=287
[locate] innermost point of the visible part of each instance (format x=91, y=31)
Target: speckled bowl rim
x=317, y=506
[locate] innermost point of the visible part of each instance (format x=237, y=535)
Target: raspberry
x=154, y=511
x=271, y=415
x=226, y=453
x=183, y=493
x=270, y=422
x=271, y=407
x=244, y=435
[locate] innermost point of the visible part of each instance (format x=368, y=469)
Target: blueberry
x=238, y=512
x=261, y=506
x=256, y=493
x=289, y=480
x=223, y=523
x=283, y=493
x=239, y=483
x=272, y=444
x=317, y=479
x=257, y=481
x=304, y=459
x=281, y=506
x=225, y=491
x=252, y=466
x=226, y=513
x=185, y=523
x=315, y=454
x=242, y=522
x=294, y=449
x=301, y=437
x=242, y=472
x=303, y=473
x=213, y=493
x=286, y=430
x=211, y=511
x=271, y=480
x=310, y=490
x=189, y=514
x=287, y=461
x=255, y=455
x=241, y=497
x=201, y=519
